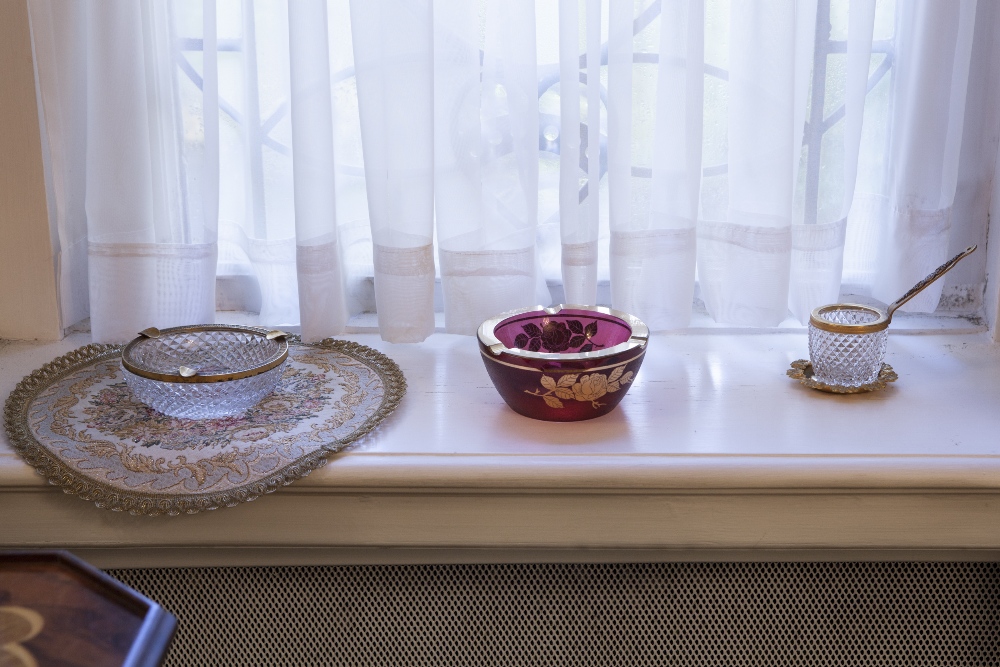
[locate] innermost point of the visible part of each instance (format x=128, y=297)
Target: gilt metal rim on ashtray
x=148, y=336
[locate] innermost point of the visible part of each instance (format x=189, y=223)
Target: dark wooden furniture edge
x=149, y=648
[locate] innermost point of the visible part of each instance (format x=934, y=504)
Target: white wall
x=992, y=297
x=29, y=305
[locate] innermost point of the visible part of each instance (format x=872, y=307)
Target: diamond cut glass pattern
x=204, y=401
x=210, y=352
x=846, y=359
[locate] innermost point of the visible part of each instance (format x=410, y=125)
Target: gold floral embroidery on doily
x=580, y=387
x=89, y=410
x=74, y=421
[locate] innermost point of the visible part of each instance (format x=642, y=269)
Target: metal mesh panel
x=583, y=614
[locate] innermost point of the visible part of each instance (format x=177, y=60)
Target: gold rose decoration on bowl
x=578, y=387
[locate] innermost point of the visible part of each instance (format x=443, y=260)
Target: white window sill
x=714, y=453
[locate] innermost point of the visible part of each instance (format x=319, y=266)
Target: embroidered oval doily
x=76, y=423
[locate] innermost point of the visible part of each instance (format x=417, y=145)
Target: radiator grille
x=770, y=614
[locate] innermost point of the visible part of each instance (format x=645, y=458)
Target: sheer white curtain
x=818, y=237
x=325, y=154
x=486, y=158
x=654, y=215
x=318, y=258
x=393, y=51
x=579, y=217
x=113, y=119
x=933, y=52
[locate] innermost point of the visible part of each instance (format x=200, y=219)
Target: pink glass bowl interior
x=569, y=331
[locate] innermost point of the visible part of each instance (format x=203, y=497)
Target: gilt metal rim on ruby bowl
x=272, y=362
x=637, y=340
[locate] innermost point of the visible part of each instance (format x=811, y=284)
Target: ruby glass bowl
x=563, y=363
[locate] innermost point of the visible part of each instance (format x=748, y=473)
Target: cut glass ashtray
x=204, y=371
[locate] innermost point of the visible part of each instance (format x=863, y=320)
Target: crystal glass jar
x=847, y=344
x=204, y=371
